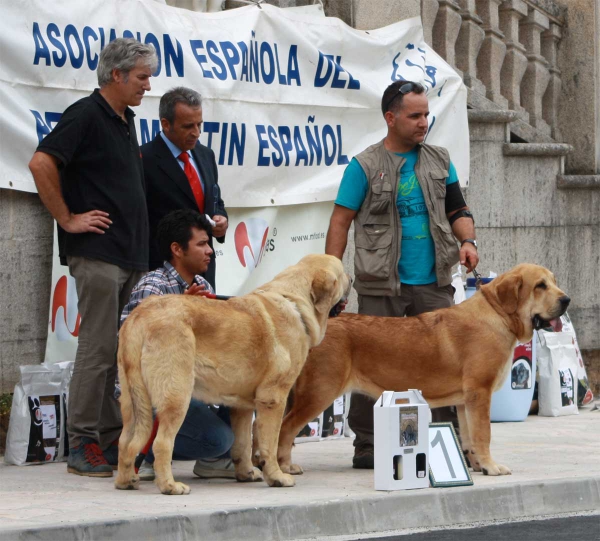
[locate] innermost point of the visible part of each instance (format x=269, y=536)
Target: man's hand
x=196, y=289
x=469, y=256
x=220, y=227
x=94, y=221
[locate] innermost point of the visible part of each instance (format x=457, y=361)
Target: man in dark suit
x=180, y=172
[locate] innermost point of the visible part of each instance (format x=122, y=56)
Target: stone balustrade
x=506, y=51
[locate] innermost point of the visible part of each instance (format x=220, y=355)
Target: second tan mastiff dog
x=244, y=353
x=455, y=356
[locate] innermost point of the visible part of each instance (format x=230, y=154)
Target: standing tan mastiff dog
x=455, y=356
x=244, y=353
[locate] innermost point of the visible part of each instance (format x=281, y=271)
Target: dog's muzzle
x=540, y=323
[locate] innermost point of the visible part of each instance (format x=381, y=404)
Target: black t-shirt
x=101, y=169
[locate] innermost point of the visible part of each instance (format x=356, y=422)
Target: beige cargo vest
x=377, y=227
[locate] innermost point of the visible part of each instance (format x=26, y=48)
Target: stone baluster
x=493, y=50
x=550, y=39
x=446, y=29
x=515, y=61
x=537, y=75
x=468, y=44
x=429, y=11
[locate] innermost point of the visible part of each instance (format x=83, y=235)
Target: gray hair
x=123, y=54
x=179, y=94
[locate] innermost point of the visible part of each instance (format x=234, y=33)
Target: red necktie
x=194, y=180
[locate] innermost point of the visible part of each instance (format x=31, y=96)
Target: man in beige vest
x=408, y=213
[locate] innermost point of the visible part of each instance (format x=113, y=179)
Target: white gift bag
x=557, y=366
x=37, y=427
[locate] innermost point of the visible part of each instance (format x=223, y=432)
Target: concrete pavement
x=555, y=464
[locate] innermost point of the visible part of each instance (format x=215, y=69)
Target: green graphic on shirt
x=406, y=188
x=424, y=235
x=411, y=206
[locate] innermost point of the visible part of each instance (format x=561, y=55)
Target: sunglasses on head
x=403, y=89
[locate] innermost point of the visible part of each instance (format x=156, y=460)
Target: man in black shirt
x=89, y=175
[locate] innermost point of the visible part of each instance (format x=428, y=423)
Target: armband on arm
x=461, y=214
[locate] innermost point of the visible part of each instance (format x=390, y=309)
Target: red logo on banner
x=59, y=300
x=250, y=239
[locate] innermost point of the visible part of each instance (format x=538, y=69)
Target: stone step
x=536, y=149
x=578, y=182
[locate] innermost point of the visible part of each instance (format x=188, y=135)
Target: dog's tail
x=136, y=406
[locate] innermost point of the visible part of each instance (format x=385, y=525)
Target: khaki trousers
x=413, y=300
x=103, y=290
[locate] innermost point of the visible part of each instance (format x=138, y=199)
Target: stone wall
x=26, y=254
x=579, y=104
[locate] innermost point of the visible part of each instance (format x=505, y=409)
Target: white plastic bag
x=334, y=419
x=557, y=366
x=312, y=431
x=37, y=427
x=584, y=392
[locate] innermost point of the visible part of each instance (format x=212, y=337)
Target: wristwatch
x=472, y=241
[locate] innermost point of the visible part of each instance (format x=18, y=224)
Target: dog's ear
x=323, y=285
x=507, y=290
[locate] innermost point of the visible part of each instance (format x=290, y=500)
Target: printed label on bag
x=44, y=434
x=521, y=373
x=567, y=389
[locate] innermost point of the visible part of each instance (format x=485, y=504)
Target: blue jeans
x=205, y=433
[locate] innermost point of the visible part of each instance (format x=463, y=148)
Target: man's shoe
x=363, y=458
x=111, y=454
x=87, y=459
x=214, y=467
x=146, y=472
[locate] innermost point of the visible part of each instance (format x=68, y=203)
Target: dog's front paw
x=281, y=480
x=132, y=483
x=175, y=489
x=496, y=469
x=247, y=477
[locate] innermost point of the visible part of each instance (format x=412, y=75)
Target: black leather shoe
x=363, y=458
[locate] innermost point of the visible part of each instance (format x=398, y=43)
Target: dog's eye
x=542, y=285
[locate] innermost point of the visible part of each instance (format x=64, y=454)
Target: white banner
x=289, y=98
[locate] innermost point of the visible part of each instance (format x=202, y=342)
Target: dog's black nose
x=564, y=301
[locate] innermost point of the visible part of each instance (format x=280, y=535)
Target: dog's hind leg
x=170, y=419
x=241, y=424
x=136, y=431
x=477, y=407
x=136, y=411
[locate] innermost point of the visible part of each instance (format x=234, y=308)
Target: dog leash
x=140, y=458
x=215, y=296
x=477, y=279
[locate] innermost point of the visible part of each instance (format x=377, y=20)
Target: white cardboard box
x=401, y=422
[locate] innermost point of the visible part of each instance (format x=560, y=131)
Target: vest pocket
x=381, y=195
x=373, y=252
x=438, y=178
